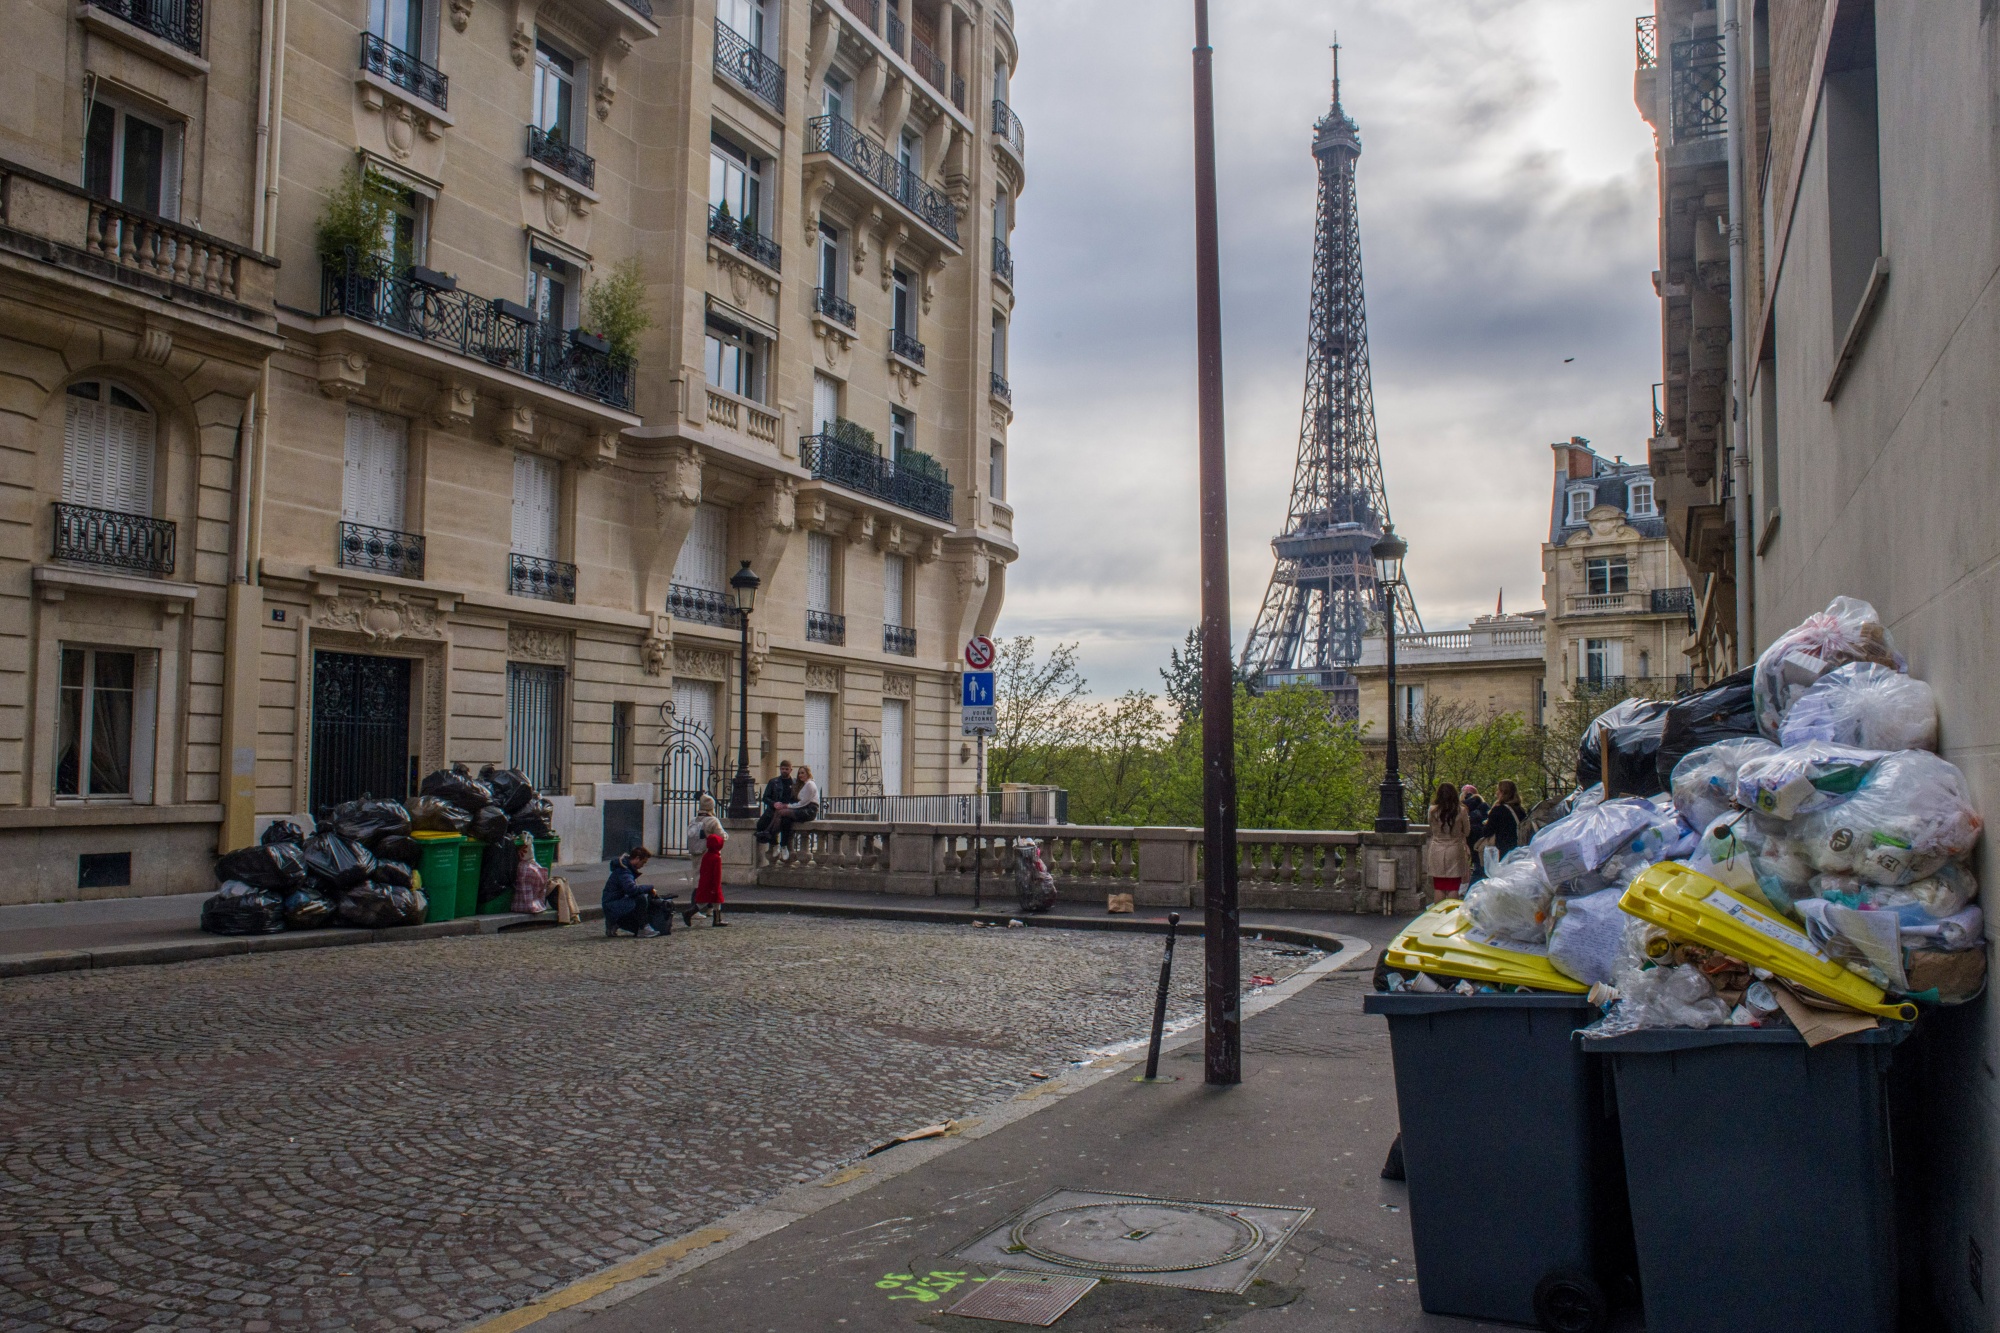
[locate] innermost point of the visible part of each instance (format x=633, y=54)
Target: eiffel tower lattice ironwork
x=1323, y=597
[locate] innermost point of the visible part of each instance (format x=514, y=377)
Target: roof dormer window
x=1642, y=504
x=1581, y=498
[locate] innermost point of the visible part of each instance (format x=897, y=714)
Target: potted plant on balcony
x=351, y=238
x=855, y=436
x=614, y=311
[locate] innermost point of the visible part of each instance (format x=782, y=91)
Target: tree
x=1449, y=742
x=1182, y=675
x=1039, y=708
x=1297, y=767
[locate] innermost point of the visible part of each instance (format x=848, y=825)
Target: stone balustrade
x=1159, y=867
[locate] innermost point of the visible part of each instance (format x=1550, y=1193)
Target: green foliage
x=1451, y=743
x=355, y=215
x=615, y=309
x=1297, y=767
x=855, y=435
x=1182, y=675
x=910, y=460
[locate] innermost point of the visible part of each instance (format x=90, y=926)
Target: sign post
x=977, y=718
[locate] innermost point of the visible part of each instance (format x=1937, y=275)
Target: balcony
x=404, y=70
x=1673, y=601
x=749, y=68
x=1003, y=261
x=1606, y=603
x=734, y=412
x=1001, y=389
x=828, y=303
x=916, y=482
x=501, y=334
x=899, y=640
x=895, y=32
x=702, y=606
x=559, y=155
x=878, y=166
x=175, y=21
x=532, y=576
x=1646, y=37
x=868, y=11
x=1656, y=686
x=906, y=347
x=383, y=550
x=931, y=69
x=109, y=539
x=1008, y=129
x=826, y=627
x=1700, y=101
x=743, y=235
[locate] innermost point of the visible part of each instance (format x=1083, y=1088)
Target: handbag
x=563, y=901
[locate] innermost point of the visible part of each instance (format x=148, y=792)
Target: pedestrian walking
x=1507, y=822
x=1447, y=857
x=778, y=792
x=803, y=808
x=630, y=905
x=705, y=842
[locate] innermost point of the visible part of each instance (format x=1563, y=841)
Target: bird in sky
x=1568, y=359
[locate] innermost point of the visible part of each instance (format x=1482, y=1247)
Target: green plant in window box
x=356, y=216
x=614, y=309
x=855, y=436
x=923, y=465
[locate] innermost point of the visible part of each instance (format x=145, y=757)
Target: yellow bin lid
x=429, y=835
x=1446, y=941
x=1692, y=907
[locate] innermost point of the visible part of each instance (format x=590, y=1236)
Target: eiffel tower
x=1323, y=597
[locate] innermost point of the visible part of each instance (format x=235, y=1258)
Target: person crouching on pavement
x=630, y=905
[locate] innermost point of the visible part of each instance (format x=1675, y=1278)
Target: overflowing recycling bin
x=1739, y=953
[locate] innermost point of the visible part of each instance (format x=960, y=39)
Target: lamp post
x=743, y=792
x=1388, y=553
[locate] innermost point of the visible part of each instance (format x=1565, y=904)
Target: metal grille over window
x=756, y=72
x=403, y=69
x=360, y=727
x=534, y=723
x=176, y=21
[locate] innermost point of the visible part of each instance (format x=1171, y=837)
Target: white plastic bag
x=1912, y=816
x=1512, y=902
x=1866, y=705
x=1704, y=781
x=1727, y=851
x=1590, y=941
x=1800, y=779
x=1662, y=997
x=1572, y=849
x=1868, y=943
x=1848, y=630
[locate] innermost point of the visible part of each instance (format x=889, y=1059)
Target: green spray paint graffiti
x=933, y=1286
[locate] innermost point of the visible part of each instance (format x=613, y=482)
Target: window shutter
x=705, y=553
x=376, y=463
x=694, y=701
x=892, y=746
x=108, y=457
x=894, y=570
x=826, y=402
x=535, y=507
x=1614, y=657
x=819, y=739
x=819, y=572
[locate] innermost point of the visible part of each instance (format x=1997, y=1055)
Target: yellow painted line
x=842, y=1177
x=597, y=1284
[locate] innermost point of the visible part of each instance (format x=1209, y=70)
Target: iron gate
x=687, y=771
x=360, y=728
x=534, y=723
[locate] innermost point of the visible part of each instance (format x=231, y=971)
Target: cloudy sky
x=1507, y=223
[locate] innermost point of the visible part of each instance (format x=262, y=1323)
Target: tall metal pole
x=743, y=792
x=1223, y=1036
x=979, y=826
x=1390, y=816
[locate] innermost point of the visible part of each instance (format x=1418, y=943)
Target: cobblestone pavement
x=417, y=1135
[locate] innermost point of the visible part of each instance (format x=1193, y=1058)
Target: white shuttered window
x=895, y=580
x=694, y=701
x=819, y=572
x=377, y=462
x=819, y=739
x=108, y=440
x=704, y=558
x=894, y=715
x=536, y=487
x=826, y=402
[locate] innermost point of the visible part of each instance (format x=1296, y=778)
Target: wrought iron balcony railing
x=928, y=64
x=556, y=152
x=377, y=293
x=899, y=640
x=1700, y=104
x=176, y=21
x=759, y=75
x=826, y=627
x=895, y=32
x=1001, y=389
x=383, y=550
x=1673, y=601
x=920, y=486
x=1650, y=685
x=532, y=576
x=1008, y=127
x=404, y=70
x=703, y=606
x=1003, y=260
x=868, y=11
x=903, y=345
x=744, y=236
x=113, y=540
x=879, y=167
x=1646, y=37
x=828, y=303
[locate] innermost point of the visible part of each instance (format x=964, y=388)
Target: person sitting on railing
x=777, y=792
x=802, y=809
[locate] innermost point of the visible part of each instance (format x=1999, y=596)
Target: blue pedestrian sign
x=976, y=704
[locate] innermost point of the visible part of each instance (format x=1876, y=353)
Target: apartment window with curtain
x=104, y=724
x=537, y=506
x=902, y=315
x=403, y=24
x=896, y=591
x=109, y=439
x=999, y=344
x=996, y=470
x=403, y=229
x=695, y=706
x=832, y=273
x=133, y=157
x=1603, y=661
x=895, y=726
x=734, y=359
x=747, y=17
x=376, y=469
x=1412, y=709
x=555, y=95
x=821, y=560
x=910, y=156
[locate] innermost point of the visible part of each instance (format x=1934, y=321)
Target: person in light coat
x=1447, y=856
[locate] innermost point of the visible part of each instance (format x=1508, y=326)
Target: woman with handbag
x=1507, y=825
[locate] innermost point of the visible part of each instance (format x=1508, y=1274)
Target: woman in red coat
x=708, y=878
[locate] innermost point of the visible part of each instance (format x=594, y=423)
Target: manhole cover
x=1037, y=1301
x=1198, y=1245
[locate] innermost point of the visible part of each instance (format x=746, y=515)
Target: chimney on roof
x=1582, y=462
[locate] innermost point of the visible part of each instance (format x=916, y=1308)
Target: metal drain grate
x=1035, y=1301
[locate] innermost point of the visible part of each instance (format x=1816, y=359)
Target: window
x=1641, y=503
x=895, y=715
x=826, y=403
x=820, y=557
x=1580, y=501
x=910, y=156
x=133, y=158
x=1645, y=664
x=401, y=24
x=704, y=558
x=403, y=229
x=833, y=96
x=1853, y=160
x=1412, y=704
x=555, y=95
x=832, y=273
x=819, y=739
x=902, y=434
x=1003, y=215
x=735, y=182
x=534, y=723
x=537, y=488
x=552, y=288
x=96, y=709
x=1000, y=74
x=902, y=317
x=746, y=17
x=999, y=344
x=1603, y=662
x=1606, y=575
x=895, y=591
x=624, y=717
x=694, y=704
x=734, y=359
x=377, y=465
x=108, y=444
x=1767, y=432
x=996, y=471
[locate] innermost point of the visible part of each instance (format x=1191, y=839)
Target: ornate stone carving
x=778, y=510
x=822, y=679
x=835, y=343
x=655, y=654
x=679, y=485
x=522, y=42
x=377, y=618
x=607, y=93
x=461, y=14
x=898, y=687
x=529, y=643
x=516, y=427
x=889, y=536
x=743, y=275
x=342, y=374
x=155, y=345
x=930, y=549
x=454, y=404
x=907, y=377
x=861, y=529
x=560, y=203
x=701, y=663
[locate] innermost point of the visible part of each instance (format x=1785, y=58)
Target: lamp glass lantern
x=1389, y=551
x=744, y=582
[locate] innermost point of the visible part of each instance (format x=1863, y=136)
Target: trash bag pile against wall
x=282, y=830
x=243, y=909
x=334, y=865
x=277, y=867
x=1865, y=705
x=303, y=882
x=456, y=787
x=1703, y=783
x=307, y=910
x=366, y=820
x=433, y=814
x=377, y=905
x=511, y=789
x=1634, y=728
x=1512, y=902
x=489, y=825
x=1724, y=711
x=1848, y=630
x=533, y=819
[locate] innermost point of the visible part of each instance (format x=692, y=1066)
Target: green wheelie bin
x=438, y=867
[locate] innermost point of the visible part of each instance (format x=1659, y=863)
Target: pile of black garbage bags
x=356, y=870
x=496, y=808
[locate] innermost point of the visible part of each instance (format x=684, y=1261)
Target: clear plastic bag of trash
x=1512, y=902
x=1866, y=705
x=1867, y=943
x=1848, y=630
x=1963, y=929
x=1704, y=783
x=1661, y=997
x=1912, y=816
x=1801, y=779
x=1916, y=904
x=1590, y=941
x=1571, y=850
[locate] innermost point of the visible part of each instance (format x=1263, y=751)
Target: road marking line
x=599, y=1283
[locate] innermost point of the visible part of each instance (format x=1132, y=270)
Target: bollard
x=1160, y=1000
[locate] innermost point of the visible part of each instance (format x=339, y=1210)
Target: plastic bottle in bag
x=1912, y=816
x=1512, y=902
x=1800, y=779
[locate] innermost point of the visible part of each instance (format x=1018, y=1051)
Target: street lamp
x=1389, y=552
x=743, y=792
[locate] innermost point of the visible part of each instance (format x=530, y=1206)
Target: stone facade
x=423, y=469
x=1493, y=666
